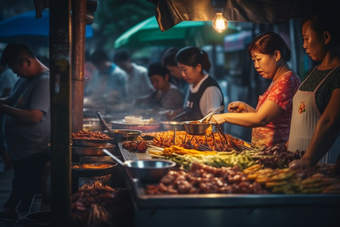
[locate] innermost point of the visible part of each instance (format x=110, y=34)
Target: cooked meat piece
x=184, y=187
x=141, y=146
x=133, y=146
x=126, y=145
x=168, y=179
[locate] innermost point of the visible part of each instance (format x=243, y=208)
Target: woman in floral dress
x=271, y=118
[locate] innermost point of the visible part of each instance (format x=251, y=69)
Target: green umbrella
x=193, y=33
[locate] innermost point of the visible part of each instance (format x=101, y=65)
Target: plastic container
x=133, y=119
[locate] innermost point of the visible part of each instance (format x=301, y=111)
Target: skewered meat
x=98, y=205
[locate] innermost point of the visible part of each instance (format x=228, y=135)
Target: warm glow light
x=220, y=23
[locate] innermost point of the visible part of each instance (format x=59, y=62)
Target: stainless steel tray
x=144, y=200
x=94, y=151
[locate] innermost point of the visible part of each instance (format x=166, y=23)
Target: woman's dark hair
x=325, y=17
x=193, y=56
x=268, y=43
x=157, y=68
x=169, y=55
x=13, y=49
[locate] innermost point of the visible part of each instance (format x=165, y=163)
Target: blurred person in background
x=138, y=82
x=271, y=118
x=7, y=81
x=168, y=60
x=108, y=82
x=27, y=126
x=205, y=93
x=167, y=96
x=89, y=68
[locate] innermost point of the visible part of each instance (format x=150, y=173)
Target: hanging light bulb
x=219, y=23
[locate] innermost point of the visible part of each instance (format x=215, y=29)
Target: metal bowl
x=150, y=127
x=196, y=129
x=172, y=125
x=124, y=134
x=89, y=143
x=93, y=151
x=151, y=170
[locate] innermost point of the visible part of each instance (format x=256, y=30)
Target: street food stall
x=233, y=183
x=218, y=179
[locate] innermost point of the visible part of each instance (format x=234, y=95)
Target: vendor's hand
x=217, y=118
x=237, y=107
x=299, y=164
x=168, y=114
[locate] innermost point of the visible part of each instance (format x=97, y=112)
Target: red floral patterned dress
x=282, y=93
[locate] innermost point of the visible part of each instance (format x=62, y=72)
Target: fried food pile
x=92, y=166
x=139, y=145
x=166, y=139
x=99, y=205
x=203, y=179
x=90, y=135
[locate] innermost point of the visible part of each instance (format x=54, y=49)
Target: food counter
x=216, y=209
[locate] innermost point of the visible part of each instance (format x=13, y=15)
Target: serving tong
x=215, y=111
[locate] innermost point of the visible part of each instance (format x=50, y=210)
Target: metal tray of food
x=92, y=172
x=144, y=200
x=90, y=143
x=148, y=127
x=94, y=151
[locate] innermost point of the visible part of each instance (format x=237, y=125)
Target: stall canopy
x=194, y=33
x=26, y=28
x=171, y=12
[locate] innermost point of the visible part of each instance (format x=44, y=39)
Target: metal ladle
x=101, y=118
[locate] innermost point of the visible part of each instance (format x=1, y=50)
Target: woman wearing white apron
x=315, y=122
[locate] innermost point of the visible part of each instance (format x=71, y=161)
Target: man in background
x=138, y=82
x=27, y=126
x=108, y=81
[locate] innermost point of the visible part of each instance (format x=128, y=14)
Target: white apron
x=305, y=117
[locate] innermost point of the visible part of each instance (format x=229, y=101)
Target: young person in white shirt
x=205, y=93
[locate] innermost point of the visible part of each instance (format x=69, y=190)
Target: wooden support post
x=78, y=50
x=60, y=84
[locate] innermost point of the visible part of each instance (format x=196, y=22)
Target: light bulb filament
x=220, y=23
